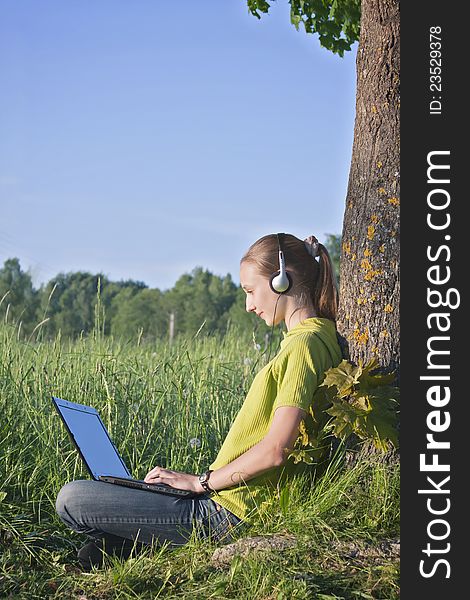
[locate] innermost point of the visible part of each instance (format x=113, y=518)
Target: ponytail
x=325, y=295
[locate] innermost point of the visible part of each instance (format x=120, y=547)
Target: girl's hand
x=175, y=479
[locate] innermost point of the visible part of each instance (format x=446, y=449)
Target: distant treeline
x=77, y=303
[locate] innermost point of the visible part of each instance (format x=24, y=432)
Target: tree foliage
x=139, y=312
x=333, y=244
x=71, y=303
x=335, y=21
x=16, y=290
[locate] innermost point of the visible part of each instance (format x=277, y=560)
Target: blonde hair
x=312, y=279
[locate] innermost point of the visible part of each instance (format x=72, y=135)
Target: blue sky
x=143, y=138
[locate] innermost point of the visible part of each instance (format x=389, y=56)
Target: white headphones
x=280, y=281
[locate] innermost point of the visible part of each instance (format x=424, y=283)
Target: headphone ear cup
x=280, y=283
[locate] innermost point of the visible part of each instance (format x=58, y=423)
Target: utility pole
x=172, y=327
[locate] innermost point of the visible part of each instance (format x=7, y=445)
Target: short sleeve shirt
x=289, y=379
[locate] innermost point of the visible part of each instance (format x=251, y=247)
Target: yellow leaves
x=347, y=248
x=394, y=201
x=382, y=248
x=303, y=434
x=382, y=191
x=367, y=252
x=374, y=219
x=388, y=308
x=379, y=164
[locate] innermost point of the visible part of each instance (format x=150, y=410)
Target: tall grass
x=172, y=406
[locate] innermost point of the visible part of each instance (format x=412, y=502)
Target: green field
x=156, y=400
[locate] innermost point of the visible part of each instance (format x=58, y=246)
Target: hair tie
x=312, y=246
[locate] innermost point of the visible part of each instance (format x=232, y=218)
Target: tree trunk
x=369, y=279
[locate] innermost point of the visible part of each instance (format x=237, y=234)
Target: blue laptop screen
x=92, y=439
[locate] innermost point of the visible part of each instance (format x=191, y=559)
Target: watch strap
x=204, y=481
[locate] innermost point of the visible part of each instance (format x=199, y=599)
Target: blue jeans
x=97, y=509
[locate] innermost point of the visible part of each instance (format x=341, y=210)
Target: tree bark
x=368, y=316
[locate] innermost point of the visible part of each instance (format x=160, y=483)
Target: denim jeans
x=97, y=509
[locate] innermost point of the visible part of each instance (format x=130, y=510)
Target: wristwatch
x=204, y=480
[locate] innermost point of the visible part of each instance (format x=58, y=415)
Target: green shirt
x=289, y=379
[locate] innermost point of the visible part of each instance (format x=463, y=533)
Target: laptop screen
x=92, y=439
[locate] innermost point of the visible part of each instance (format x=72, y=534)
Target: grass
x=189, y=391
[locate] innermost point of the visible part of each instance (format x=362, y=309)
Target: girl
x=285, y=280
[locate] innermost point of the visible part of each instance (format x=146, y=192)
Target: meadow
x=172, y=406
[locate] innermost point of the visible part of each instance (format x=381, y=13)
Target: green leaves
x=336, y=22
x=351, y=400
x=363, y=403
x=255, y=5
x=343, y=377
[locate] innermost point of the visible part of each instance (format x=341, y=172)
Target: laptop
x=98, y=452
